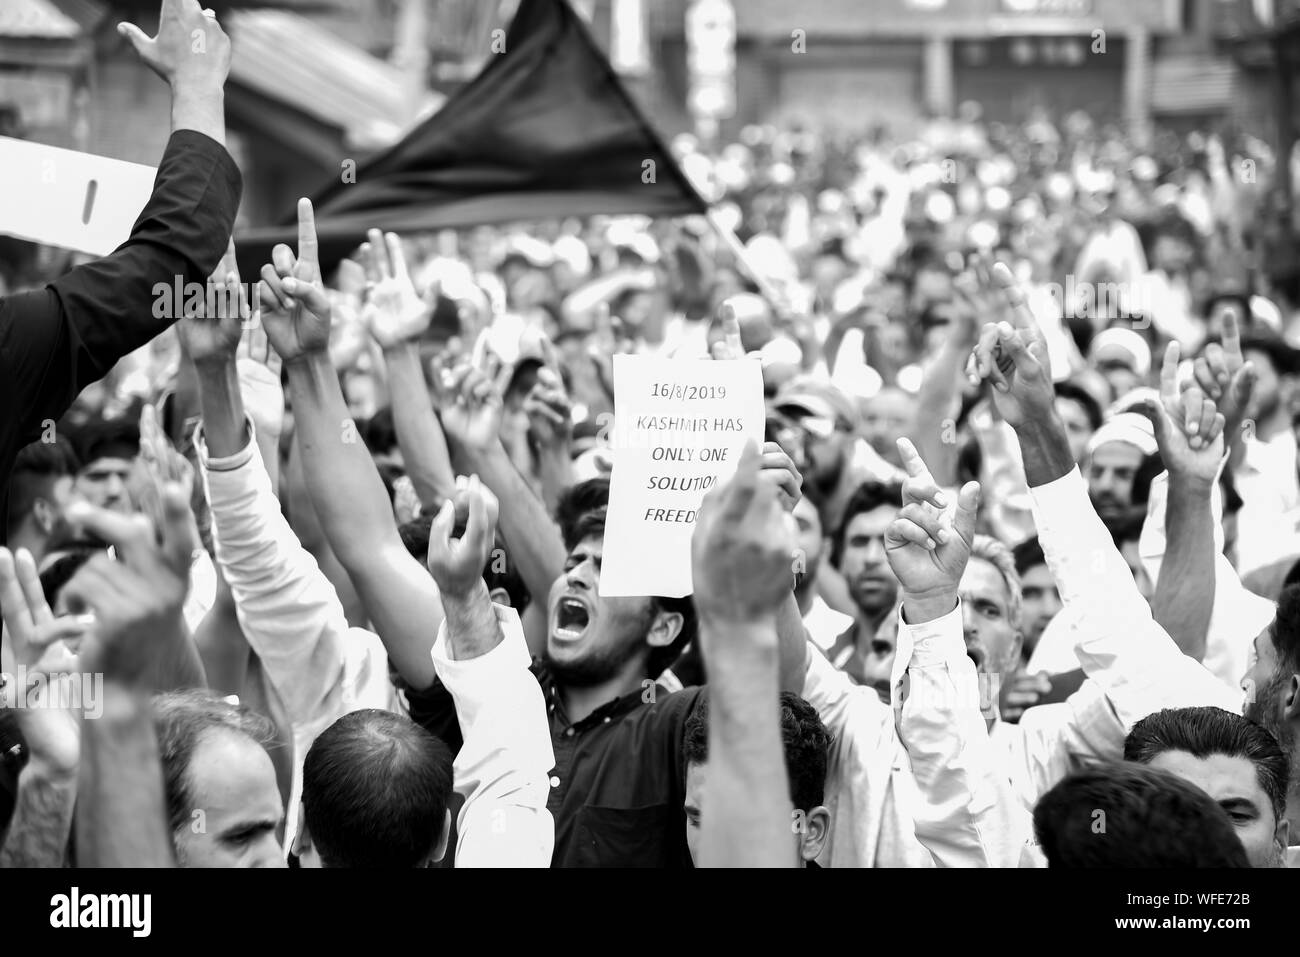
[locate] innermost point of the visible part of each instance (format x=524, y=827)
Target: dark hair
x=1204, y=731
x=105, y=438
x=35, y=468
x=867, y=497
x=1282, y=356
x=1129, y=815
x=375, y=787
x=59, y=572
x=1285, y=630
x=804, y=739
x=592, y=524
x=415, y=536
x=181, y=720
x=378, y=432
x=1028, y=554
x=575, y=502
x=1073, y=392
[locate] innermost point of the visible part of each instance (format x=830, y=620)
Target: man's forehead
x=590, y=547
x=983, y=580
x=107, y=464
x=874, y=521
x=1117, y=454
x=1224, y=777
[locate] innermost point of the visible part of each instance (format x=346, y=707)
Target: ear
x=816, y=829
x=500, y=596
x=1282, y=837
x=1291, y=699
x=440, y=849
x=665, y=628
x=44, y=514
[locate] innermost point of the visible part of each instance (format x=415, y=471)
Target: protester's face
x=103, y=483
x=885, y=418
x=992, y=641
x=1111, y=472
x=237, y=808
x=1078, y=430
x=1121, y=378
x=1171, y=254
x=1270, y=692
x=590, y=639
x=863, y=563
x=1233, y=782
x=1133, y=559
x=810, y=539
x=1040, y=602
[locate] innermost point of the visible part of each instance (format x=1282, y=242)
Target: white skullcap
x=1128, y=427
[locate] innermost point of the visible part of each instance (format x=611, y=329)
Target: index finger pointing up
x=1169, y=374
x=307, y=248
x=1232, y=341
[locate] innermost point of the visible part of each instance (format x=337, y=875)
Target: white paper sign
x=64, y=198
x=679, y=428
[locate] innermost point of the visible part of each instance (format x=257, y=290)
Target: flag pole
x=765, y=286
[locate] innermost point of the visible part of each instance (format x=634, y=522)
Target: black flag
x=545, y=130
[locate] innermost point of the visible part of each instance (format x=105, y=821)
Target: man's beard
x=1263, y=710
x=601, y=664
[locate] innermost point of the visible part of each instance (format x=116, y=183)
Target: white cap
x=1125, y=341
x=1127, y=427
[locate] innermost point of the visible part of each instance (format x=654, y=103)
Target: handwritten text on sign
x=679, y=428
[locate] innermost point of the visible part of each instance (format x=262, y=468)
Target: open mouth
x=975, y=654
x=571, y=619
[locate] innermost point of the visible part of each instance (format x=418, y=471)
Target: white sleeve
x=504, y=766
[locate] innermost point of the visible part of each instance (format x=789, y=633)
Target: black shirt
x=619, y=780
x=57, y=340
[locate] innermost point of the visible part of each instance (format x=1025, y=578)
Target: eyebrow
x=245, y=827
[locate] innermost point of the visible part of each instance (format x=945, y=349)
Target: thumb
x=310, y=294
x=142, y=42
x=1244, y=387
x=441, y=526
x=968, y=503
x=1156, y=413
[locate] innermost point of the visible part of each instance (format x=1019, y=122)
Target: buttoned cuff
x=509, y=657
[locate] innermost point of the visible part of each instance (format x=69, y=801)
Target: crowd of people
x=307, y=573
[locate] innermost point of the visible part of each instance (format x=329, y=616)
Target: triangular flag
x=545, y=130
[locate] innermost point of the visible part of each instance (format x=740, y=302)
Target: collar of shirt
x=615, y=708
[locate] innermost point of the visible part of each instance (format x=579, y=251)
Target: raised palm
x=1012, y=353
x=928, y=545
x=215, y=333
x=294, y=305
x=393, y=312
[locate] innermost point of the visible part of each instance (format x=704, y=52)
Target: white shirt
x=824, y=624
x=1133, y=667
x=916, y=784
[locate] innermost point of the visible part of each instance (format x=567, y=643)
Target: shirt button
x=569, y=733
x=607, y=720
x=555, y=782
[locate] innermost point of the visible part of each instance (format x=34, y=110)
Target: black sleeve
x=434, y=710
x=57, y=340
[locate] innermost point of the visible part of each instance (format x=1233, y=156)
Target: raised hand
x=190, y=50
x=40, y=646
x=730, y=345
x=1189, y=427
x=471, y=405
x=742, y=549
x=457, y=563
x=394, y=313
x=213, y=336
x=928, y=544
x=1225, y=376
x=1012, y=354
x=294, y=305
x=137, y=596
x=779, y=469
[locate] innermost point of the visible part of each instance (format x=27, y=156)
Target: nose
x=969, y=623
x=876, y=552
x=579, y=576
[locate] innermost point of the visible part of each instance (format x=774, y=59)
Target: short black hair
x=36, y=467
x=1076, y=393
x=1129, y=815
x=592, y=524
x=61, y=571
x=375, y=787
x=102, y=438
x=379, y=431
x=1205, y=731
x=1284, y=358
x=181, y=720
x=501, y=571
x=575, y=502
x=867, y=497
x=804, y=739
x=1028, y=554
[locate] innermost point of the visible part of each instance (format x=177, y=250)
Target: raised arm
x=121, y=810
x=740, y=563
x=967, y=815
x=57, y=340
x=346, y=490
x=1119, y=645
x=1190, y=432
x=503, y=767
x=396, y=318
